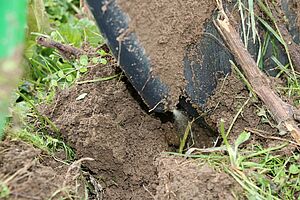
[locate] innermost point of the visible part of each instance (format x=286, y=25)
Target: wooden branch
x=65, y=50
x=282, y=112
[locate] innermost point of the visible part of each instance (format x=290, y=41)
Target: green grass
x=4, y=190
x=44, y=142
x=259, y=171
x=263, y=173
x=46, y=70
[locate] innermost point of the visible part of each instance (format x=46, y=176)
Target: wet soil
x=188, y=179
x=30, y=174
x=165, y=29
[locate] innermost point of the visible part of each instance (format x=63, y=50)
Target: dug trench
x=112, y=126
x=127, y=143
x=106, y=121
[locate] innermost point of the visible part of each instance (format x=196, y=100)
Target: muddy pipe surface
x=113, y=24
x=201, y=76
x=204, y=61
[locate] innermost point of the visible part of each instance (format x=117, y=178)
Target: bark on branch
x=282, y=112
x=65, y=50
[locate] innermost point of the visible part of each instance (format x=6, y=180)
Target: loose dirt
x=229, y=97
x=108, y=123
x=165, y=28
x=110, y=126
x=30, y=174
x=188, y=179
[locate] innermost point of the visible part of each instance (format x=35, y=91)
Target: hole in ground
x=201, y=135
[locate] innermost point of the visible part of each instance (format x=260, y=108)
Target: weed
x=4, y=190
x=44, y=142
x=262, y=172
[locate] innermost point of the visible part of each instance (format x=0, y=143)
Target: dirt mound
x=110, y=126
x=187, y=179
x=165, y=29
x=28, y=175
x=229, y=96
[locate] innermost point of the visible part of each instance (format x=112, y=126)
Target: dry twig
x=264, y=134
x=65, y=50
x=282, y=112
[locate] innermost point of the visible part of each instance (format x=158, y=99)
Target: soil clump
x=188, y=179
x=109, y=126
x=30, y=174
x=165, y=29
x=228, y=98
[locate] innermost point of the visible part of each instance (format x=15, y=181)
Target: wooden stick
x=282, y=112
x=67, y=51
x=266, y=135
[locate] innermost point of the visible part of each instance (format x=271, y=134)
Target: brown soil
x=110, y=126
x=230, y=95
x=31, y=175
x=188, y=179
x=165, y=28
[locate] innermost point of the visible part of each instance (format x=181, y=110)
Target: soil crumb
x=28, y=174
x=184, y=179
x=229, y=96
x=165, y=28
x=110, y=126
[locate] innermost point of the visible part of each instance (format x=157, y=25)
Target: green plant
x=11, y=42
x=47, y=70
x=4, y=191
x=44, y=142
